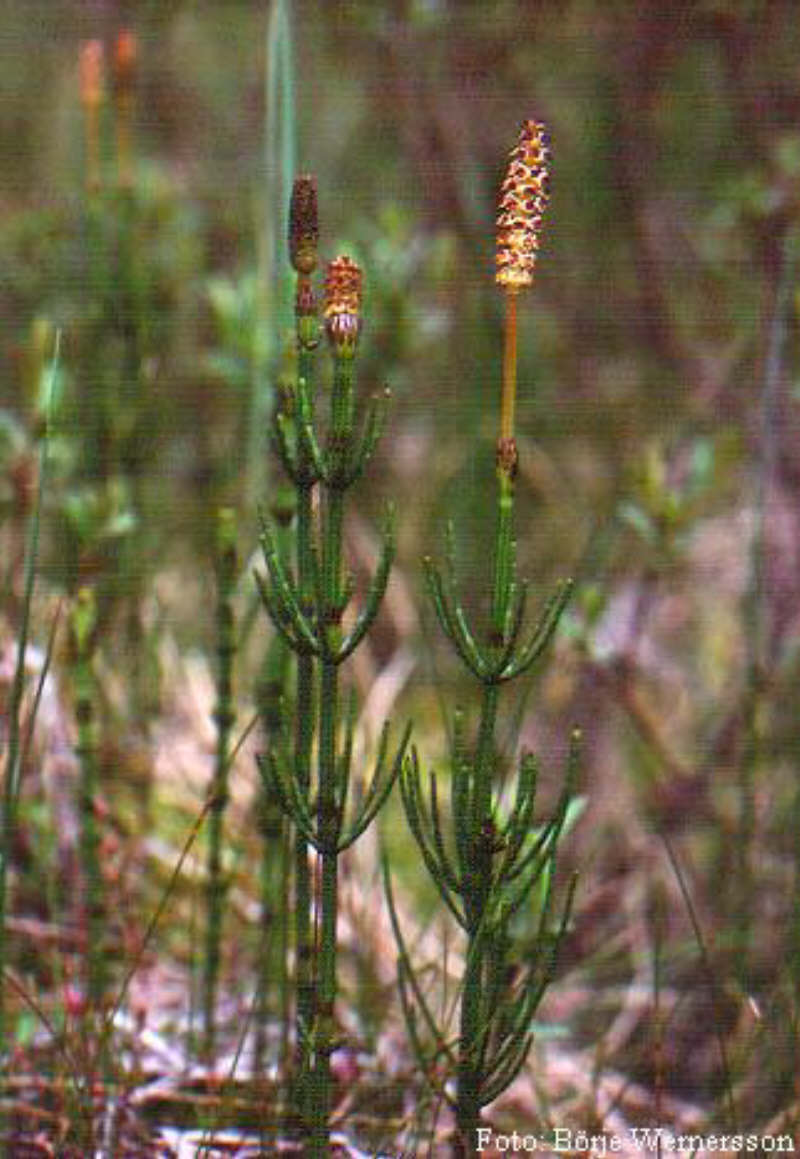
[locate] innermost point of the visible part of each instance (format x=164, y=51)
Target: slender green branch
x=378, y=791
x=407, y=972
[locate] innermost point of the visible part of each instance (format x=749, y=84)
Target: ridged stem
x=304, y=735
x=324, y=1026
x=275, y=872
x=224, y=718
x=478, y=884
x=82, y=632
x=328, y=821
x=503, y=558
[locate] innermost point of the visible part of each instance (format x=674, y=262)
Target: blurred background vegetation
x=658, y=411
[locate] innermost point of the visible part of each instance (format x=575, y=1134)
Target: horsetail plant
x=225, y=567
x=499, y=860
x=308, y=609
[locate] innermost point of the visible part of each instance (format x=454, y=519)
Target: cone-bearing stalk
x=308, y=610
x=495, y=862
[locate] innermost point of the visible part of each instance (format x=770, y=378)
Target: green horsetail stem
x=275, y=830
x=275, y=907
x=303, y=239
x=83, y=625
x=329, y=820
x=224, y=717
